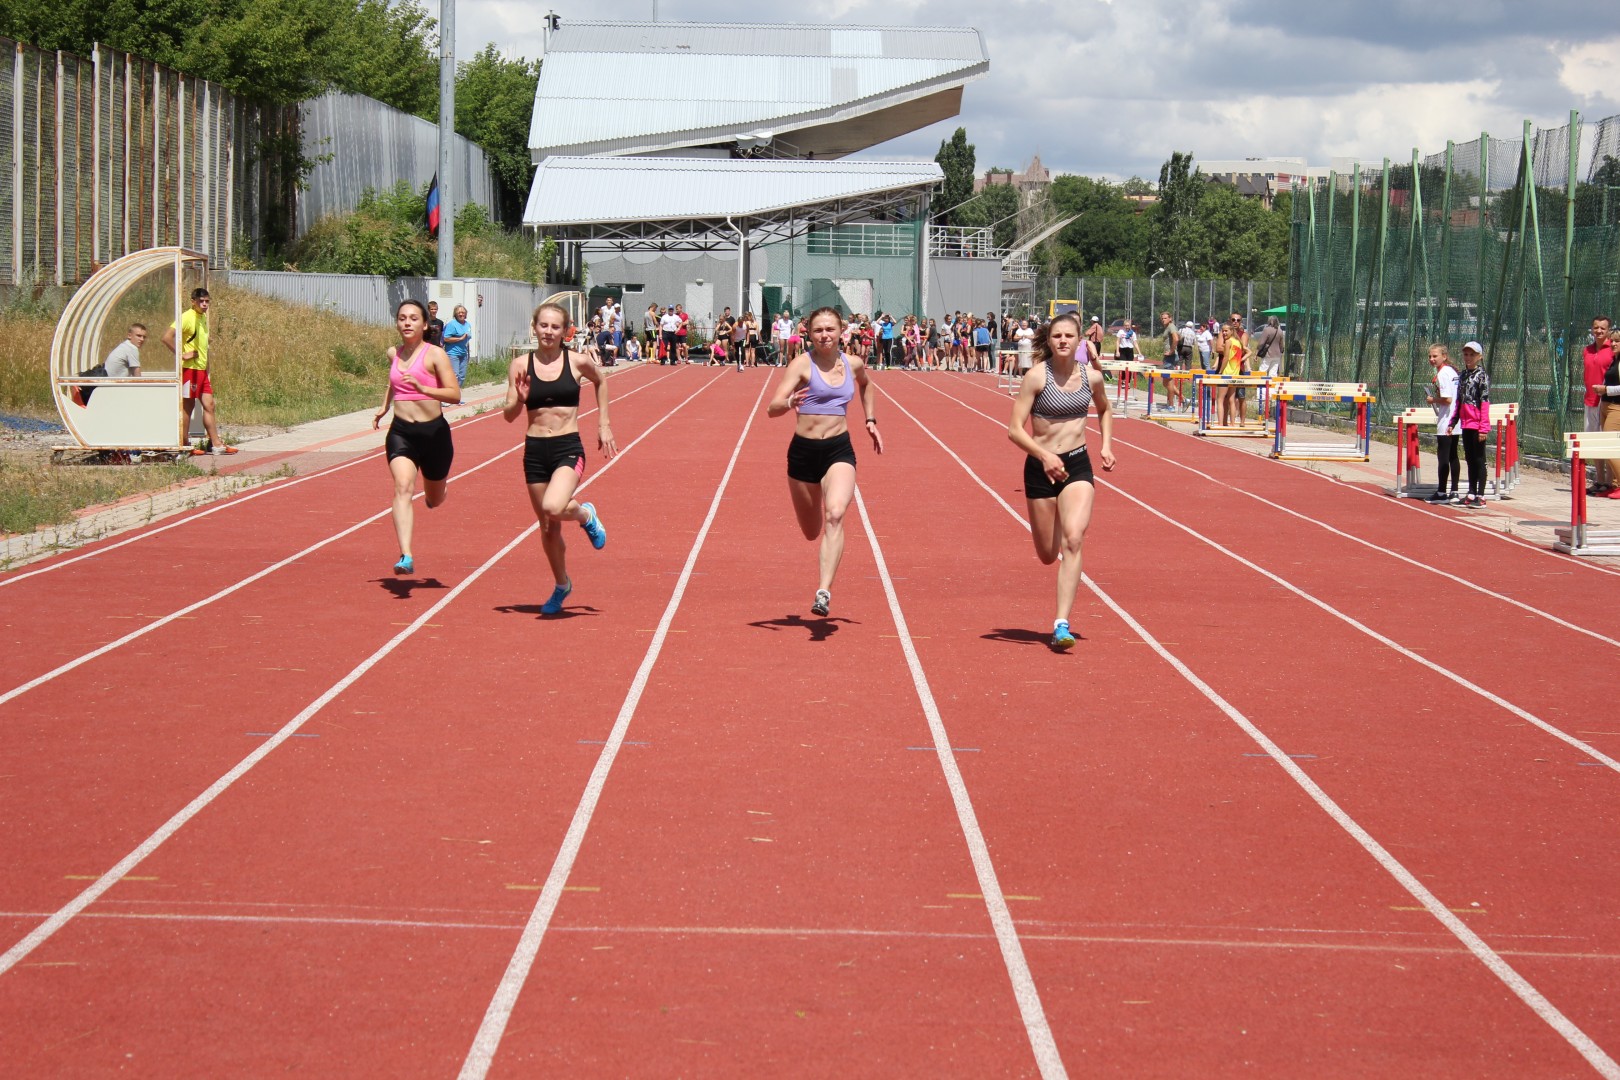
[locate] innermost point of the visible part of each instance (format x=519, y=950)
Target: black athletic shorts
x=543, y=456
x=1126, y=354
x=1037, y=485
x=423, y=442
x=809, y=459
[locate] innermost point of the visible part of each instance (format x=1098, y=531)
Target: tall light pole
x=447, y=134
x=1153, y=307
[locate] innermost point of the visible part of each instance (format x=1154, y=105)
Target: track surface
x=1298, y=804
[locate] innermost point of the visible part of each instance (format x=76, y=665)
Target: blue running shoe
x=1062, y=638
x=558, y=595
x=405, y=565
x=593, y=527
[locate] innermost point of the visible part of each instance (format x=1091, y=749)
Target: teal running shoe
x=558, y=595
x=593, y=527
x=405, y=565
x=1062, y=637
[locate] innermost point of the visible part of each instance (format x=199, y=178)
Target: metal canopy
x=708, y=204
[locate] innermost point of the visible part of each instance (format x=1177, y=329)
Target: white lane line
x=1528, y=717
x=1518, y=984
x=165, y=620
x=41, y=933
x=230, y=503
x=1047, y=1058
x=488, y=1039
x=1408, y=505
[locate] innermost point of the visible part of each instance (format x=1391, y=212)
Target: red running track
x=757, y=861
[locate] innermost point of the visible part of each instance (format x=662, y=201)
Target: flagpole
x=447, y=133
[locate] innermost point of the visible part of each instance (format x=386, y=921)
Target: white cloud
x=1111, y=89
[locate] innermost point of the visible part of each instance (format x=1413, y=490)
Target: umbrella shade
x=1285, y=309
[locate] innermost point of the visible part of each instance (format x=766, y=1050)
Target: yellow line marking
x=1455, y=910
x=767, y=813
x=464, y=840
x=1136, y=1003
x=980, y=896
x=760, y=839
x=282, y=669
x=524, y=888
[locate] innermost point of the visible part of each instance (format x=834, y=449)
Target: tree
x=997, y=205
x=1176, y=241
x=1107, y=230
x=494, y=101
x=955, y=158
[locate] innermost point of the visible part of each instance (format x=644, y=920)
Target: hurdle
x=1258, y=428
x=1164, y=415
x=1301, y=393
x=1505, y=425
x=1408, y=461
x=1125, y=372
x=1579, y=538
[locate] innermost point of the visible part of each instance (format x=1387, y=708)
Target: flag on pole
x=433, y=208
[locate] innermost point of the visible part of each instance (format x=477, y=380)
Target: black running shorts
x=424, y=442
x=543, y=456
x=1037, y=485
x=809, y=459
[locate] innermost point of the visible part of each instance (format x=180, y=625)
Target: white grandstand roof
x=788, y=91
x=683, y=203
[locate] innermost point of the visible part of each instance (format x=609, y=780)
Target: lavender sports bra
x=823, y=400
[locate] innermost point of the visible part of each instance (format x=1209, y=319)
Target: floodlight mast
x=447, y=132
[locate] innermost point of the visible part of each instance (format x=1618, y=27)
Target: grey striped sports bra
x=1053, y=403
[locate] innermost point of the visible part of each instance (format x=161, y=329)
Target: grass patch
x=34, y=493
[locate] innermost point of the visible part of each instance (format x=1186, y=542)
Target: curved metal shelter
x=138, y=412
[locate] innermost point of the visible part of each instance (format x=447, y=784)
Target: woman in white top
x=781, y=335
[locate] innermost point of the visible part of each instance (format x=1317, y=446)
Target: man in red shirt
x=1595, y=360
x=681, y=334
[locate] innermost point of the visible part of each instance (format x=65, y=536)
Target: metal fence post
x=17, y=165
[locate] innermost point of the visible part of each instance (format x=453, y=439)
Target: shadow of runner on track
x=820, y=629
x=575, y=612
x=402, y=588
x=1025, y=637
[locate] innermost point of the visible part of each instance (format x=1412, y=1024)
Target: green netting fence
x=1513, y=242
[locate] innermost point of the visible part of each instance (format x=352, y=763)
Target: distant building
x=1031, y=183
x=1263, y=178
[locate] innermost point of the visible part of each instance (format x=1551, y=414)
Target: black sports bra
x=559, y=393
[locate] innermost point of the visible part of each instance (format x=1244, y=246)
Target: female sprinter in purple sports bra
x=421, y=382
x=1054, y=398
x=821, y=459
x=545, y=384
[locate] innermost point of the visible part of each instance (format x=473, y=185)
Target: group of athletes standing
x=1049, y=420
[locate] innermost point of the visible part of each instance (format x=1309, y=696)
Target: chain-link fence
x=1141, y=300
x=105, y=155
x=1510, y=242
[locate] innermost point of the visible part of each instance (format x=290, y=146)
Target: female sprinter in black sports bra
x=545, y=384
x=1053, y=399
x=421, y=382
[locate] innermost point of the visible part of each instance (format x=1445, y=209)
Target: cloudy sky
x=1110, y=89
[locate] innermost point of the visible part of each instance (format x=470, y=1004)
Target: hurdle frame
x=1408, y=453
x=1259, y=428
x=1164, y=415
x=1300, y=393
x=1578, y=537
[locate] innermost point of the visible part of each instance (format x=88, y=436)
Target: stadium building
x=708, y=164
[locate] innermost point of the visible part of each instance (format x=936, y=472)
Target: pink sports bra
x=418, y=368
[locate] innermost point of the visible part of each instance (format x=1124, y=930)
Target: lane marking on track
x=1493, y=961
x=1408, y=505
x=186, y=611
x=1549, y=616
x=1350, y=620
x=1047, y=1058
x=1416, y=947
x=487, y=1041
x=40, y=934
x=267, y=489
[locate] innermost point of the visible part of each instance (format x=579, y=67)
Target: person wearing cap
x=1094, y=334
x=1474, y=414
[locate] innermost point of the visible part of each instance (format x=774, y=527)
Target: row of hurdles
x=1273, y=398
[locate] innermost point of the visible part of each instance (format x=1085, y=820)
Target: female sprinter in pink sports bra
x=421, y=382
x=545, y=384
x=821, y=460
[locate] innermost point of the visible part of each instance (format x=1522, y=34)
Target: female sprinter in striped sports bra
x=421, y=383
x=821, y=461
x=1053, y=400
x=544, y=385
